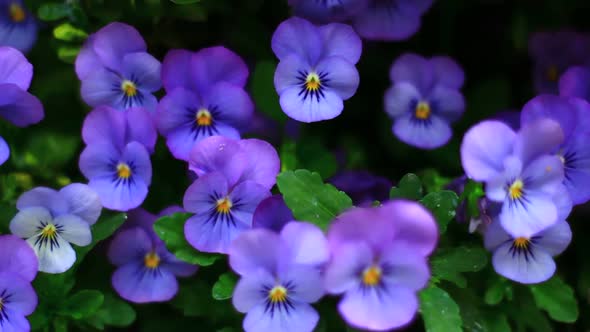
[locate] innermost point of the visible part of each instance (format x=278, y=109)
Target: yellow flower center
x=312, y=82
x=123, y=171
x=552, y=74
x=129, y=88
x=372, y=276
x=422, y=111
x=521, y=242
x=151, y=260
x=49, y=231
x=278, y=294
x=204, y=117
x=17, y=13
x=223, y=205
x=515, y=190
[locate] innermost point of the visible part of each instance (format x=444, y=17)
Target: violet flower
x=280, y=277
x=116, y=70
x=316, y=72
x=272, y=213
x=19, y=27
x=379, y=263
x=326, y=11
x=424, y=99
x=575, y=82
x=363, y=187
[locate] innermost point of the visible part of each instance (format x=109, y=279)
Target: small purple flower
x=18, y=267
x=17, y=106
x=390, y=19
x=280, y=277
x=205, y=97
x=519, y=171
x=146, y=271
x=573, y=116
x=117, y=158
x=575, y=82
x=116, y=70
x=317, y=69
x=424, y=99
x=18, y=27
x=272, y=213
x=326, y=11
x=363, y=187
x=50, y=220
x=379, y=262
x=529, y=259
x=553, y=53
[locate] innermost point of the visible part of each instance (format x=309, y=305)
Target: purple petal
x=343, y=76
x=4, y=151
x=105, y=124
x=23, y=298
x=530, y=215
x=22, y=36
x=19, y=107
x=247, y=293
x=414, y=69
x=534, y=267
x=414, y=7
x=206, y=233
x=301, y=317
x=87, y=61
x=537, y=138
x=114, y=41
x=342, y=273
x=495, y=236
x=482, y=160
x=17, y=257
x=300, y=37
x=414, y=225
x=18, y=322
x=255, y=250
x=272, y=213
x=325, y=12
x=447, y=72
x=144, y=69
x=26, y=222
x=249, y=194
x=306, y=242
x=408, y=267
x=232, y=105
x=400, y=98
x=306, y=279
x=175, y=67
x=43, y=197
x=59, y=259
x=555, y=239
x=174, y=265
x=510, y=117
x=217, y=64
x=544, y=173
x=120, y=197
x=362, y=224
x=197, y=198
x=75, y=229
x=431, y=135
x=82, y=201
x=447, y=102
x=15, y=68
x=287, y=72
x=263, y=162
x=136, y=283
x=384, y=21
x=362, y=186
x=575, y=82
x=577, y=167
x=141, y=128
x=310, y=109
x=129, y=245
x=101, y=88
x=96, y=159
x=559, y=109
x=220, y=154
x=342, y=41
x=563, y=202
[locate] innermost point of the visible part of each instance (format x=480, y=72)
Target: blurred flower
x=573, y=116
x=116, y=70
x=280, y=277
x=509, y=117
x=146, y=271
x=317, y=69
x=50, y=220
x=18, y=27
x=424, y=99
x=390, y=19
x=18, y=267
x=116, y=160
x=527, y=260
x=519, y=171
x=575, y=82
x=326, y=11
x=17, y=106
x=205, y=97
x=379, y=262
x=272, y=213
x=553, y=53
x=363, y=187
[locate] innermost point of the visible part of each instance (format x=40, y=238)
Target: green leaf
x=432, y=181
x=450, y=263
x=53, y=11
x=53, y=288
x=443, y=204
x=193, y=298
x=439, y=311
x=409, y=187
x=310, y=199
x=60, y=324
x=185, y=2
x=224, y=287
x=314, y=156
x=263, y=90
x=68, y=32
x=103, y=229
x=557, y=298
x=82, y=305
x=68, y=54
x=288, y=155
x=113, y=312
x=499, y=289
x=171, y=230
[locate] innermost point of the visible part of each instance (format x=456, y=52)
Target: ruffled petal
x=19, y=107
x=272, y=213
x=217, y=64
x=342, y=41
x=447, y=72
x=527, y=216
x=414, y=69
x=342, y=75
x=447, y=102
x=75, y=229
x=136, y=283
x=537, y=138
x=221, y=154
x=82, y=201
x=263, y=162
x=254, y=251
x=17, y=257
x=129, y=245
x=114, y=41
x=534, y=267
x=409, y=268
x=175, y=67
x=15, y=68
x=300, y=37
x=43, y=197
x=197, y=198
x=555, y=239
x=144, y=70
x=306, y=242
x=400, y=99
x=430, y=134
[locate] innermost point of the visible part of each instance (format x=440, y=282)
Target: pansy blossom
x=326, y=11
x=18, y=27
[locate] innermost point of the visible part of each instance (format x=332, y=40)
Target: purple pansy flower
x=17, y=106
x=326, y=11
x=18, y=26
x=575, y=82
x=146, y=271
x=519, y=170
x=363, y=187
x=379, y=262
x=553, y=53
x=272, y=213
x=280, y=277
x=117, y=158
x=424, y=99
x=390, y=19
x=317, y=69
x=116, y=70
x=205, y=97
x=573, y=115
x=50, y=220
x=18, y=267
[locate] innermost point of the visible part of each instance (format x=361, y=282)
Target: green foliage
x=224, y=287
x=113, y=312
x=557, y=298
x=82, y=304
x=102, y=230
x=263, y=90
x=449, y=264
x=310, y=199
x=53, y=11
x=171, y=230
x=443, y=205
x=409, y=187
x=185, y=2
x=69, y=33
x=439, y=311
x=499, y=290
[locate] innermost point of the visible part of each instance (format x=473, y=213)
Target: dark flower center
x=204, y=117
x=4, y=300
x=277, y=297
x=48, y=234
x=312, y=84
